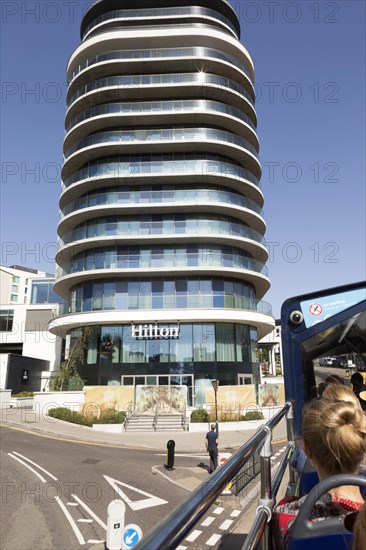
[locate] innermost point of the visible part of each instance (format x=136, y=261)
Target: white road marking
x=226, y=524
x=181, y=548
x=218, y=510
x=74, y=527
x=37, y=465
x=85, y=520
x=135, y=504
x=235, y=513
x=90, y=512
x=193, y=536
x=29, y=467
x=91, y=541
x=72, y=504
x=207, y=521
x=214, y=539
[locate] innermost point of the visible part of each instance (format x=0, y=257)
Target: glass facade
x=6, y=320
x=207, y=350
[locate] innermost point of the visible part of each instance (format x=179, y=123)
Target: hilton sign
x=154, y=332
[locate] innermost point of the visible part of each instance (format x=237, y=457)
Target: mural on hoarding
x=269, y=395
x=168, y=399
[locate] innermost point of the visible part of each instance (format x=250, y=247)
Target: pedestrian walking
x=212, y=448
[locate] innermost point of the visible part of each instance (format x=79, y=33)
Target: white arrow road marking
x=37, y=465
x=29, y=467
x=90, y=512
x=74, y=527
x=135, y=504
x=130, y=538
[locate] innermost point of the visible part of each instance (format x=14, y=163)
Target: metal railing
x=175, y=528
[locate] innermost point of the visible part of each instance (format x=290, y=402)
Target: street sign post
x=115, y=524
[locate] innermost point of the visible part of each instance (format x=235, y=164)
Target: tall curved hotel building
x=161, y=230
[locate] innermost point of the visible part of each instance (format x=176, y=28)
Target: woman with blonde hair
x=334, y=439
x=339, y=392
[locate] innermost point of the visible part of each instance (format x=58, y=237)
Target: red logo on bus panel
x=315, y=309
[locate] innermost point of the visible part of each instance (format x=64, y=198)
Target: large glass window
x=6, y=320
x=204, y=342
x=225, y=342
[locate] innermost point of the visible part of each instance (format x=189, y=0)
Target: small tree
x=68, y=377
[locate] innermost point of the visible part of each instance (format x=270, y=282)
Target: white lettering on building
x=154, y=332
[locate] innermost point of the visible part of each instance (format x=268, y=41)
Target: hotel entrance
x=163, y=380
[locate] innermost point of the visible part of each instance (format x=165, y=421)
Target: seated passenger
x=358, y=387
x=334, y=439
x=339, y=392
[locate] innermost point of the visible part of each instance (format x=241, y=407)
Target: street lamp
x=215, y=385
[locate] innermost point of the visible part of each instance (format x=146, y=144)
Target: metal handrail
x=173, y=530
x=156, y=416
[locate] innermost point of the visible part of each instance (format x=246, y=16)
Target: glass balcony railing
x=140, y=81
x=128, y=169
x=164, y=134
x=161, y=108
x=137, y=227
x=176, y=196
x=146, y=259
x=125, y=55
x=166, y=301
x=159, y=14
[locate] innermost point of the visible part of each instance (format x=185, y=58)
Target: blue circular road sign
x=132, y=534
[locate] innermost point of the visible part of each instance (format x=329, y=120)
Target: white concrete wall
x=43, y=401
x=3, y=369
x=5, y=398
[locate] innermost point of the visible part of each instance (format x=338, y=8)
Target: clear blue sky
x=310, y=73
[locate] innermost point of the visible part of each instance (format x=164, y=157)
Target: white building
x=28, y=351
x=161, y=206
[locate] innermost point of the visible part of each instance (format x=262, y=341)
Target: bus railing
x=174, y=529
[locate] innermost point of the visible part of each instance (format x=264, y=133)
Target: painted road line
x=85, y=520
x=207, y=521
x=72, y=504
x=134, y=504
x=181, y=548
x=193, y=536
x=226, y=524
x=29, y=467
x=235, y=513
x=92, y=541
x=214, y=539
x=74, y=527
x=90, y=512
x=218, y=510
x=37, y=465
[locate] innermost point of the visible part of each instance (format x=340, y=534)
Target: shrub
x=111, y=417
x=200, y=415
x=252, y=415
x=23, y=394
x=63, y=413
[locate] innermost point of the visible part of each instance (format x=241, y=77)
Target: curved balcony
x=151, y=16
x=122, y=258
x=149, y=196
x=129, y=168
x=134, y=81
x=152, y=113
x=196, y=226
x=161, y=134
x=184, y=58
x=166, y=302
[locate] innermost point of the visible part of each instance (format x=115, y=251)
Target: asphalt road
x=54, y=494
x=68, y=479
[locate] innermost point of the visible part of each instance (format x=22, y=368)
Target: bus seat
x=328, y=533
x=308, y=476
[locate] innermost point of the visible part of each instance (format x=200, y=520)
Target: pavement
x=188, y=478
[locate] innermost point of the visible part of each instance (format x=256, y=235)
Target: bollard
x=170, y=450
x=115, y=524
